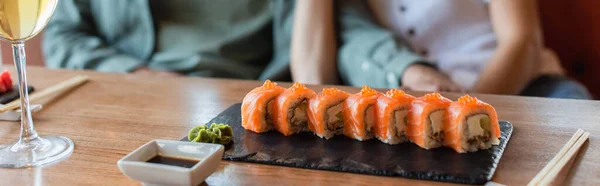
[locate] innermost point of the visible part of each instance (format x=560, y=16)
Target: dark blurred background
x=571, y=28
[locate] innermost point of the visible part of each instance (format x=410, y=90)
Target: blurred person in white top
x=479, y=46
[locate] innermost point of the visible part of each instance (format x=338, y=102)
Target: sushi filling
x=436, y=135
x=477, y=132
x=369, y=121
x=400, y=121
x=297, y=117
x=334, y=120
x=268, y=118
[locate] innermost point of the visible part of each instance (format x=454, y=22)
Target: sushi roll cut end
x=291, y=110
x=436, y=120
x=480, y=129
x=335, y=123
x=298, y=119
x=256, y=115
x=479, y=126
x=392, y=116
x=325, y=113
x=359, y=114
x=369, y=120
x=426, y=120
x=400, y=117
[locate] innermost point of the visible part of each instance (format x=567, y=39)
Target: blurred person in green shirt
x=245, y=39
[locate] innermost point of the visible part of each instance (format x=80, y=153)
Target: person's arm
x=516, y=60
x=71, y=41
x=371, y=55
x=313, y=48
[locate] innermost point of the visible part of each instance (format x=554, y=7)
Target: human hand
x=148, y=72
x=423, y=78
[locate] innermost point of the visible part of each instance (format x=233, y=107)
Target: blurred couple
x=479, y=46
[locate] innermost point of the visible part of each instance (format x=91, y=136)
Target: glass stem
x=27, y=131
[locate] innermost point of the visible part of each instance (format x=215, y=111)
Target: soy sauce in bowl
x=180, y=162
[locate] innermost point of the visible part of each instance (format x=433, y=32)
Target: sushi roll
x=392, y=116
x=289, y=109
x=325, y=113
x=471, y=125
x=359, y=114
x=426, y=120
x=255, y=107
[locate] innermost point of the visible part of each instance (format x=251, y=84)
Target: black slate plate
x=12, y=94
x=373, y=157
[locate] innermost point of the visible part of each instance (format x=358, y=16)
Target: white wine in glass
x=21, y=20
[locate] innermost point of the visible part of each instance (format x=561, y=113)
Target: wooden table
x=115, y=113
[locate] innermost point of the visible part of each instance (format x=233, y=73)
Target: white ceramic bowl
x=134, y=165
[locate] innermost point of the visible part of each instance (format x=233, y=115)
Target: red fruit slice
x=6, y=80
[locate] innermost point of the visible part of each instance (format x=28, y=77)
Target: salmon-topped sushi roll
x=289, y=109
x=426, y=120
x=255, y=107
x=471, y=125
x=392, y=116
x=325, y=113
x=359, y=114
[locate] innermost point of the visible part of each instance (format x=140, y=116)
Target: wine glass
x=21, y=20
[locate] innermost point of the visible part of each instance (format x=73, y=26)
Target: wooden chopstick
x=68, y=84
x=563, y=162
x=547, y=174
x=556, y=158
